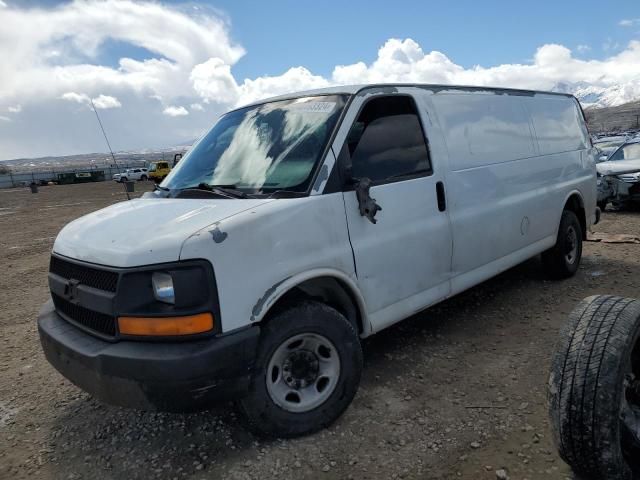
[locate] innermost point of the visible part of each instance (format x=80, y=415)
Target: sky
x=161, y=72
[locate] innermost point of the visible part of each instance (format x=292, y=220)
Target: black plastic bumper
x=171, y=377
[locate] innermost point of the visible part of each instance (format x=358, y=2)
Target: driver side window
x=387, y=142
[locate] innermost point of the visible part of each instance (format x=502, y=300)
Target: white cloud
x=47, y=52
x=212, y=81
x=629, y=22
x=15, y=109
x=106, y=101
x=294, y=79
x=404, y=61
x=76, y=97
x=583, y=48
x=175, y=111
x=610, y=45
x=101, y=102
x=196, y=107
x=2, y=4
x=4, y=119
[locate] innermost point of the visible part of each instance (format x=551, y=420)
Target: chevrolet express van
x=299, y=225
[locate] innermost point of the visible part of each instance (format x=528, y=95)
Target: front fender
x=278, y=290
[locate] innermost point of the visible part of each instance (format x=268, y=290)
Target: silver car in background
x=624, y=189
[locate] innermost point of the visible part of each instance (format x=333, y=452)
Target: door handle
x=442, y=200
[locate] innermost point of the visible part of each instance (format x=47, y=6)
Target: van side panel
x=506, y=188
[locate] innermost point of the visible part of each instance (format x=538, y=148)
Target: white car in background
x=132, y=174
x=619, y=176
x=607, y=145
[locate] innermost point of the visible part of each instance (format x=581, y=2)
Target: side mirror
x=603, y=158
x=367, y=205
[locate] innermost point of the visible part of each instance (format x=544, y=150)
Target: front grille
x=92, y=277
x=95, y=321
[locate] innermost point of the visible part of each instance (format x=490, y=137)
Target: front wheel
x=123, y=179
x=563, y=259
x=307, y=371
x=143, y=178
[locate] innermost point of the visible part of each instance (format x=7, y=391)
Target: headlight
x=163, y=289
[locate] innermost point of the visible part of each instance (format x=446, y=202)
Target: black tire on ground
x=594, y=389
x=563, y=259
x=123, y=179
x=143, y=178
x=307, y=317
x=602, y=205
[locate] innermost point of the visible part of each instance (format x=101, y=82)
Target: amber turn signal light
x=166, y=326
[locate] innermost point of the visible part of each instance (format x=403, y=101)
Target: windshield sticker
x=314, y=107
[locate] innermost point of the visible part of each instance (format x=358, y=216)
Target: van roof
x=354, y=89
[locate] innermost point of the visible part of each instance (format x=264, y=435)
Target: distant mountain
x=610, y=119
x=592, y=96
x=92, y=160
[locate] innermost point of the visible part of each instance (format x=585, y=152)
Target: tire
x=143, y=178
x=123, y=179
x=563, y=259
x=268, y=408
x=602, y=205
x=594, y=389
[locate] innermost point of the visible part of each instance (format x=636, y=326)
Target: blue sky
x=162, y=71
x=281, y=33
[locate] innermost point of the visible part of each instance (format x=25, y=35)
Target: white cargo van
x=298, y=226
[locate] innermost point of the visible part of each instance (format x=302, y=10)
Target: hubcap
x=571, y=245
x=303, y=372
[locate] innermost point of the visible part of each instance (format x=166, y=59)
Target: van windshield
x=153, y=167
x=263, y=148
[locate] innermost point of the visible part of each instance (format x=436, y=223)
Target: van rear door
x=403, y=260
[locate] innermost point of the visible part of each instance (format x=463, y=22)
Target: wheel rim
x=630, y=411
x=303, y=372
x=571, y=245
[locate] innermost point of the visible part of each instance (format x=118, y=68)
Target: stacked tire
x=594, y=389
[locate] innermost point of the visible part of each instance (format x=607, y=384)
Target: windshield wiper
x=286, y=194
x=158, y=187
x=227, y=190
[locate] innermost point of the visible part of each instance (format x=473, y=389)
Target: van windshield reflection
x=263, y=148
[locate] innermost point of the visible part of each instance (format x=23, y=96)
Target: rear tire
x=143, y=178
x=594, y=389
x=563, y=259
x=299, y=388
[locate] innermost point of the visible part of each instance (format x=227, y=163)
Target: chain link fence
x=24, y=179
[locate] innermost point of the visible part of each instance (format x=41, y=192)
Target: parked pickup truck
x=299, y=225
x=132, y=174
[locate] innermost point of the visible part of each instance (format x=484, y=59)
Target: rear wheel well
x=576, y=205
x=328, y=290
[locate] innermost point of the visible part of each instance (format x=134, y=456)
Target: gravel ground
x=457, y=391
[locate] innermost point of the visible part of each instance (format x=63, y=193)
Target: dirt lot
x=455, y=392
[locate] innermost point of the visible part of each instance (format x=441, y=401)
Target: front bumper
x=174, y=377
